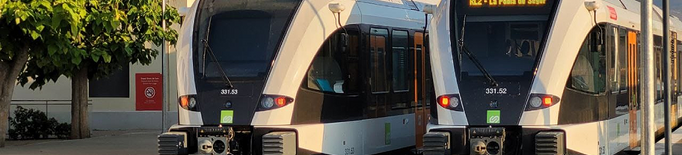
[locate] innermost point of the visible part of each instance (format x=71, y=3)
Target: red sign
x=614, y=14
x=148, y=91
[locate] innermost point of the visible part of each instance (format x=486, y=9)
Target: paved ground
x=144, y=142
x=102, y=143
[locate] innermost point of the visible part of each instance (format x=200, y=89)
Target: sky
x=675, y=6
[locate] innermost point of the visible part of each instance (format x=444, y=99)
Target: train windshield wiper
x=208, y=49
x=463, y=48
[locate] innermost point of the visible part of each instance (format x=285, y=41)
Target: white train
x=542, y=76
x=301, y=77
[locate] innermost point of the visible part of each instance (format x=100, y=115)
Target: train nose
x=494, y=141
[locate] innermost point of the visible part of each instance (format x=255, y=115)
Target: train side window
x=679, y=65
x=589, y=70
x=400, y=60
x=333, y=69
x=673, y=63
x=378, y=41
x=622, y=58
x=658, y=53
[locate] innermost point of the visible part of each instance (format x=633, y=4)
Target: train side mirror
x=598, y=41
x=343, y=42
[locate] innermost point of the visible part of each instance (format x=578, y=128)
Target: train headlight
x=451, y=102
x=188, y=102
x=541, y=101
x=268, y=102
x=192, y=103
x=454, y=102
x=535, y=102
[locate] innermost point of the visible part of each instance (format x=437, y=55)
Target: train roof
x=416, y=5
x=634, y=6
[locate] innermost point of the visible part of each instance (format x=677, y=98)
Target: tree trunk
x=83, y=99
x=8, y=79
x=75, y=109
x=80, y=128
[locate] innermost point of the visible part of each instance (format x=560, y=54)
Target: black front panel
x=212, y=98
x=481, y=97
x=496, y=48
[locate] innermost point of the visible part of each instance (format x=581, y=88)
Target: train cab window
x=334, y=69
x=588, y=74
x=612, y=47
x=378, y=41
x=622, y=58
x=400, y=60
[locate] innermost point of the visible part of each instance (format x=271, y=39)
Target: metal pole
x=666, y=62
x=164, y=70
x=648, y=80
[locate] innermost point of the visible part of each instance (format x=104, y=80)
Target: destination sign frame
x=506, y=3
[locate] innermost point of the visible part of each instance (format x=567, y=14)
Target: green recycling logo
x=226, y=116
x=493, y=117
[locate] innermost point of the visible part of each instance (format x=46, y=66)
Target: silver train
x=301, y=77
x=543, y=77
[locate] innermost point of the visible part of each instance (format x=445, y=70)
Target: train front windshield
x=502, y=48
x=240, y=37
x=502, y=38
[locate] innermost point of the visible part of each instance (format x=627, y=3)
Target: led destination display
x=506, y=3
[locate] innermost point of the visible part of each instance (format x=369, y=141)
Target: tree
x=26, y=28
x=115, y=33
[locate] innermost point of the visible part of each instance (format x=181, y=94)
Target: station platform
x=676, y=146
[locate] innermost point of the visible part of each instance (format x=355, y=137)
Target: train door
x=633, y=78
x=618, y=100
x=391, y=85
x=421, y=111
x=378, y=72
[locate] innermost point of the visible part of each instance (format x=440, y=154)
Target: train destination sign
x=505, y=7
x=506, y=3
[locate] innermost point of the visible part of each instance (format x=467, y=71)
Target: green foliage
x=114, y=33
x=62, y=131
x=36, y=24
x=34, y=124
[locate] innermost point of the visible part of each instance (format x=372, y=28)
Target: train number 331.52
x=496, y=91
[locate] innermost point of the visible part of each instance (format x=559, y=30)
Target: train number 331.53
x=229, y=91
